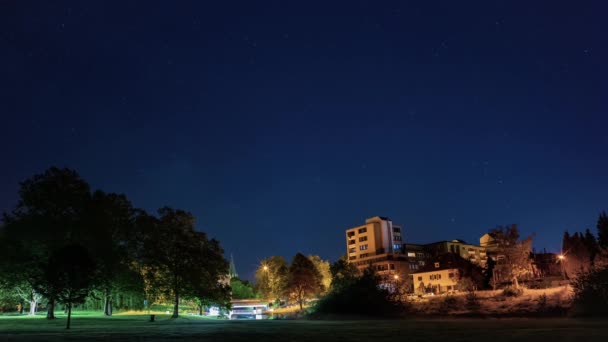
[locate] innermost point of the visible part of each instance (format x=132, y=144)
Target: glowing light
x=396, y=276
x=561, y=257
x=265, y=268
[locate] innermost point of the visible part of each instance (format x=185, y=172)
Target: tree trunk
x=107, y=307
x=200, y=310
x=50, y=309
x=21, y=307
x=33, y=306
x=176, y=306
x=69, y=316
x=301, y=301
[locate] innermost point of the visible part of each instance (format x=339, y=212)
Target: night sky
x=281, y=124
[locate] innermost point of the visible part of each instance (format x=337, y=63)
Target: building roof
x=446, y=261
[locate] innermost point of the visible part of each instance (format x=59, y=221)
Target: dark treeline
x=582, y=251
x=65, y=244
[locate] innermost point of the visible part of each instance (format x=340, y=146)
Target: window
x=397, y=238
x=391, y=266
x=396, y=230
x=364, y=255
x=439, y=276
x=363, y=238
x=362, y=230
x=351, y=242
x=449, y=288
x=350, y=234
x=352, y=250
x=451, y=275
x=421, y=262
x=363, y=247
x=420, y=255
x=419, y=278
x=397, y=247
x=411, y=255
x=352, y=258
x=436, y=265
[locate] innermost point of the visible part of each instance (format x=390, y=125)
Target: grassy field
x=137, y=328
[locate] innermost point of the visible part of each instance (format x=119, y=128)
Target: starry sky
x=279, y=124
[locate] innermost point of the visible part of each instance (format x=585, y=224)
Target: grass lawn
x=137, y=328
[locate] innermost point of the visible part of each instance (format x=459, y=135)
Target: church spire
x=232, y=270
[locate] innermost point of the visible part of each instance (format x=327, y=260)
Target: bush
x=449, y=303
x=358, y=297
x=512, y=292
x=541, y=303
x=591, y=293
x=472, y=301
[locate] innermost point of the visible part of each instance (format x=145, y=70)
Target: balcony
x=351, y=242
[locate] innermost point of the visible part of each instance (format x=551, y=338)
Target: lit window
x=411, y=255
x=397, y=238
x=397, y=247
x=352, y=250
x=363, y=247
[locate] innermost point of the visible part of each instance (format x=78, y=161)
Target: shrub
x=591, y=293
x=449, y=303
x=472, y=301
x=359, y=297
x=512, y=292
x=541, y=303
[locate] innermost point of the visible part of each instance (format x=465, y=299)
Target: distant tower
x=232, y=270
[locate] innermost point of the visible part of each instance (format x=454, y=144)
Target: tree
x=304, y=281
x=242, y=289
x=591, y=245
x=70, y=271
x=324, y=269
x=513, y=255
x=111, y=219
x=343, y=273
x=181, y=262
x=271, y=277
x=602, y=231
x=578, y=254
x=49, y=214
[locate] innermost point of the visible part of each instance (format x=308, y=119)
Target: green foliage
x=324, y=269
x=360, y=296
x=137, y=256
x=343, y=273
x=242, y=289
x=591, y=293
x=271, y=278
x=70, y=273
x=303, y=281
x=182, y=262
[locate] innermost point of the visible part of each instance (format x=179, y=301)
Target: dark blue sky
x=280, y=124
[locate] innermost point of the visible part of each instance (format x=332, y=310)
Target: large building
x=473, y=253
x=379, y=244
